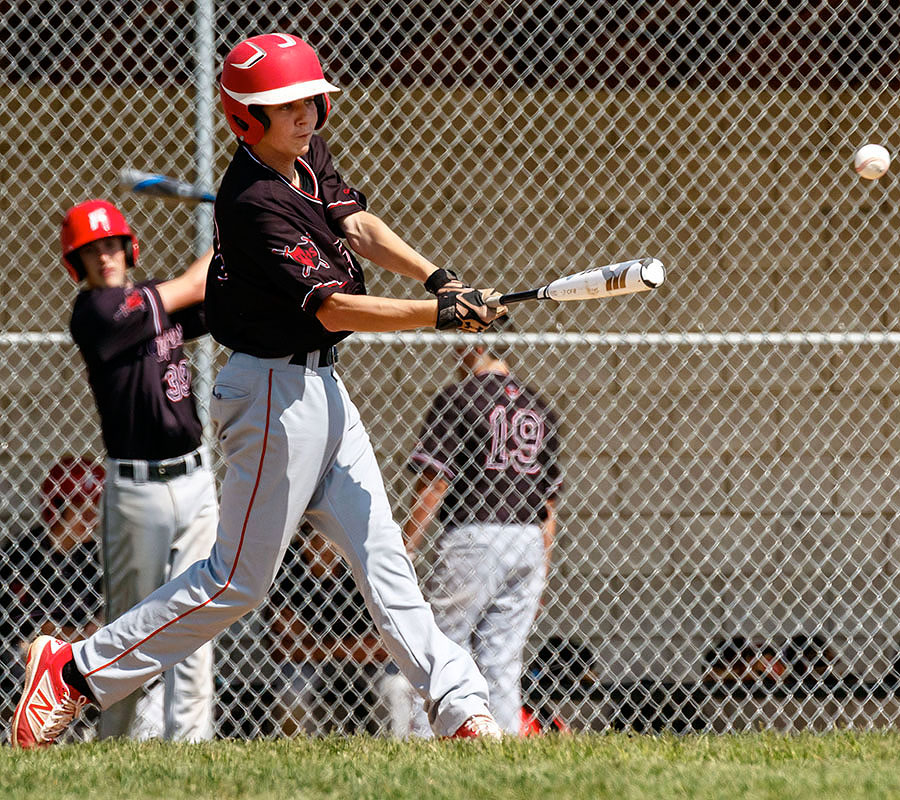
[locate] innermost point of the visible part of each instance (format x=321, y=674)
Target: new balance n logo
x=41, y=703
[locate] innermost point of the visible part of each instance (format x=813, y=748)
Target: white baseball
x=872, y=161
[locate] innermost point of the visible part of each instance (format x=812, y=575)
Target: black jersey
x=279, y=254
x=138, y=373
x=496, y=444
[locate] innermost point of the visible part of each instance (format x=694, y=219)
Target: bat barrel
x=624, y=277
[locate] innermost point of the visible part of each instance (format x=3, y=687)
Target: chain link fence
x=727, y=550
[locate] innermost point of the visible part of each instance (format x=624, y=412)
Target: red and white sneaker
x=479, y=726
x=48, y=703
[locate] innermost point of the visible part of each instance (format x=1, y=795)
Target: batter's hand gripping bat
x=156, y=185
x=625, y=277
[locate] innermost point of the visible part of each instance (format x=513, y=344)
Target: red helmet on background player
x=267, y=70
x=87, y=222
x=71, y=481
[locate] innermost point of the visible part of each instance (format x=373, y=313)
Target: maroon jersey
x=496, y=444
x=138, y=373
x=279, y=254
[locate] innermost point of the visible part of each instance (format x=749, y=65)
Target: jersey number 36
x=178, y=381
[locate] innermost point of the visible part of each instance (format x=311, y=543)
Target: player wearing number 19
x=159, y=501
x=488, y=457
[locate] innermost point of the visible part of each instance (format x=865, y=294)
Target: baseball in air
x=872, y=161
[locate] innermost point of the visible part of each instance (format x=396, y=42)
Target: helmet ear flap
x=260, y=116
x=243, y=122
x=323, y=106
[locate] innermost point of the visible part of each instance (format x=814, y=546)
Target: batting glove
x=465, y=311
x=444, y=280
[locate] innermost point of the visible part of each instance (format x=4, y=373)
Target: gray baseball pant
x=153, y=531
x=294, y=444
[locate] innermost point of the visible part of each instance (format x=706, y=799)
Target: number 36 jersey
x=496, y=444
x=137, y=369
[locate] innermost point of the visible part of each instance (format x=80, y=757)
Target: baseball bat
x=156, y=185
x=624, y=277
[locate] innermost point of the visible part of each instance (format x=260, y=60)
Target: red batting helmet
x=267, y=70
x=87, y=222
x=71, y=481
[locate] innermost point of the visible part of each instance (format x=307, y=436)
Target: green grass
x=766, y=765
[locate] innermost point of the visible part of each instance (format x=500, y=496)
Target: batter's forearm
x=364, y=313
x=371, y=238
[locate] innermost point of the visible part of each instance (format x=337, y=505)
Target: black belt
x=327, y=356
x=162, y=470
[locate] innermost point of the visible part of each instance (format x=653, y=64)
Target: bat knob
x=653, y=273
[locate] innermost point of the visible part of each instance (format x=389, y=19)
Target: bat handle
x=513, y=297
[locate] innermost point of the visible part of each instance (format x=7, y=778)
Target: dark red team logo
x=132, y=302
x=304, y=253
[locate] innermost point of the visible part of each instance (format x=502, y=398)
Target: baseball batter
x=282, y=291
x=488, y=459
x=159, y=498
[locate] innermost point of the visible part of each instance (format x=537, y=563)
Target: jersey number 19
x=515, y=440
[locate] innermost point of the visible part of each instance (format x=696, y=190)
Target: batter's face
x=104, y=262
x=291, y=125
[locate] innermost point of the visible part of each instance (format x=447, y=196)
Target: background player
x=53, y=572
x=487, y=457
x=283, y=290
x=159, y=500
x=50, y=578
x=336, y=676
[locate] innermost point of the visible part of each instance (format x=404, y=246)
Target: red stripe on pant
x=237, y=555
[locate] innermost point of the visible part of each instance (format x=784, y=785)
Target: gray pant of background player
x=153, y=531
x=307, y=694
x=485, y=590
x=294, y=443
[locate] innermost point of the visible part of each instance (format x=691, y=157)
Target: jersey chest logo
x=304, y=253
x=133, y=302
